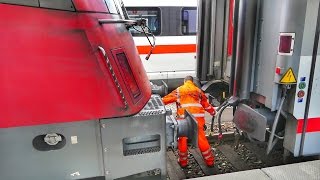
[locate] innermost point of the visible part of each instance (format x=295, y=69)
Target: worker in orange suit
x=190, y=97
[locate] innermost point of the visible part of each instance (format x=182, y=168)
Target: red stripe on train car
x=164, y=49
x=312, y=126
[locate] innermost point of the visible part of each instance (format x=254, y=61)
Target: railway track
x=228, y=159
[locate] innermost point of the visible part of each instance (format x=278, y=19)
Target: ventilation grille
x=141, y=145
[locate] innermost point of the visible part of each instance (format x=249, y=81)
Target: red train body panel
x=51, y=70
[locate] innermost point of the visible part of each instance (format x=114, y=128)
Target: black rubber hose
x=219, y=118
x=212, y=121
x=217, y=110
x=223, y=104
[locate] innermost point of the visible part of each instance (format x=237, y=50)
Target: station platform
x=306, y=170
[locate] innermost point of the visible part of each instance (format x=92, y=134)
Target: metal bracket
x=128, y=23
x=162, y=90
x=117, y=21
x=271, y=141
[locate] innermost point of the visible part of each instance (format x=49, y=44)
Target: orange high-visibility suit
x=190, y=97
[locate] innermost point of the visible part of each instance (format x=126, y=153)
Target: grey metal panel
x=77, y=160
x=257, y=38
x=253, y=121
x=226, y=62
x=165, y=21
x=287, y=16
x=22, y=2
x=57, y=4
x=200, y=22
x=267, y=52
x=296, y=151
x=243, y=175
x=245, y=46
x=212, y=37
x=305, y=170
x=292, y=21
x=170, y=21
x=219, y=37
x=292, y=139
x=309, y=32
x=290, y=135
x=205, y=44
x=175, y=21
x=148, y=122
x=311, y=144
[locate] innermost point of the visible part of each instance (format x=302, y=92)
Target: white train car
x=173, y=22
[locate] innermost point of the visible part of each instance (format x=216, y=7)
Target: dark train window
x=189, y=21
x=112, y=6
x=57, y=4
x=98, y=6
x=151, y=14
x=51, y=4
x=126, y=73
x=34, y=3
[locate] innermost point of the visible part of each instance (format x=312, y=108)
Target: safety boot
x=183, y=164
x=208, y=157
x=183, y=159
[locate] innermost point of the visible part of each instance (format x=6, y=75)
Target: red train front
x=52, y=54
x=70, y=89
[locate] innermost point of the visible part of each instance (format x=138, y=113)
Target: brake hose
x=219, y=120
x=220, y=110
x=213, y=117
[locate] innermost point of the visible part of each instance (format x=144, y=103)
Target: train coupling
x=184, y=127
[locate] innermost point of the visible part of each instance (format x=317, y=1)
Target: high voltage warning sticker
x=288, y=77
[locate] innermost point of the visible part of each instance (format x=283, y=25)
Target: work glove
x=213, y=113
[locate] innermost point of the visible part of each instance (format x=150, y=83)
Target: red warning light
x=278, y=70
x=286, y=43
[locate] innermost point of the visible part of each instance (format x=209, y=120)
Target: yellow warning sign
x=288, y=77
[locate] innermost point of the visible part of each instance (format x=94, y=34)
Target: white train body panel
x=172, y=65
x=174, y=56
